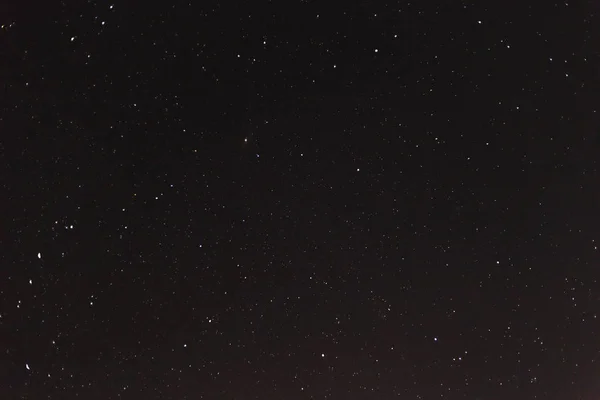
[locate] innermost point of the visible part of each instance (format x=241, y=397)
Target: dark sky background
x=300, y=200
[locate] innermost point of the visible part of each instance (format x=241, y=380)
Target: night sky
x=300, y=200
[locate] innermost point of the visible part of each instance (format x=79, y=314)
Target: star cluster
x=300, y=200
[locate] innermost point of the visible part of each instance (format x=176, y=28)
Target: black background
x=299, y=200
